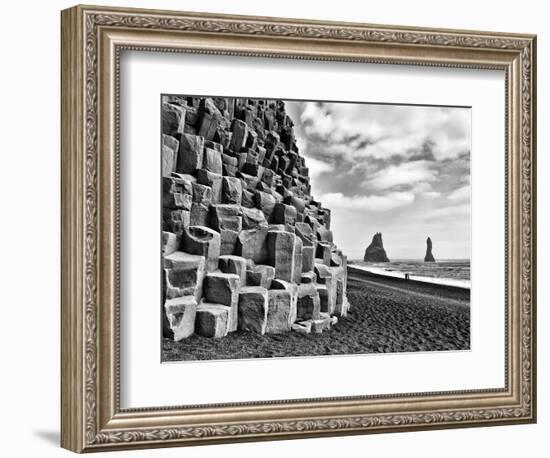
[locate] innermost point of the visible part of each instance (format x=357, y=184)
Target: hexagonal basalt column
x=253, y=309
x=281, y=248
x=203, y=241
x=179, y=319
x=212, y=320
x=184, y=274
x=223, y=289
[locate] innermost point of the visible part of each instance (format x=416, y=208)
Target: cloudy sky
x=397, y=169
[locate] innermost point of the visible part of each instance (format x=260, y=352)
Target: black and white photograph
x=302, y=228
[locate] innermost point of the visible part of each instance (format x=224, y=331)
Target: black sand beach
x=387, y=315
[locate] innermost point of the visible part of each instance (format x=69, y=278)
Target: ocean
x=445, y=271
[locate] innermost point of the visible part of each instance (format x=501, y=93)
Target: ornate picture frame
x=92, y=40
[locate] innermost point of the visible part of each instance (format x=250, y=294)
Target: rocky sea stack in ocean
x=375, y=251
x=245, y=245
x=429, y=255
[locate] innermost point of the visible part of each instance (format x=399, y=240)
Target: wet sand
x=387, y=315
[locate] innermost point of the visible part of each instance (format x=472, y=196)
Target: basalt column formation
x=245, y=245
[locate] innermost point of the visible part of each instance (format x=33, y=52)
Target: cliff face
x=245, y=245
x=429, y=256
x=375, y=252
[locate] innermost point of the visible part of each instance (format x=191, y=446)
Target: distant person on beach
x=406, y=276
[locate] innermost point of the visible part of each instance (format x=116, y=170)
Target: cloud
x=317, y=120
x=383, y=131
x=317, y=167
x=449, y=215
x=460, y=194
x=374, y=203
x=421, y=187
x=407, y=173
x=431, y=194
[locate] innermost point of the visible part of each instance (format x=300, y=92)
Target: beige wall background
x=30, y=212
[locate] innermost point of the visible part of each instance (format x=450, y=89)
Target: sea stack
x=375, y=251
x=429, y=255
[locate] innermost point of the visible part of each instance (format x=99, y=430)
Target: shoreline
x=382, y=272
x=409, y=288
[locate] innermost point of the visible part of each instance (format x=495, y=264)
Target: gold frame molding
x=92, y=38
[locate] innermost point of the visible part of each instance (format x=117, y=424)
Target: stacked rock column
x=245, y=245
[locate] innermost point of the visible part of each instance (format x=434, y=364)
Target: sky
x=401, y=170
